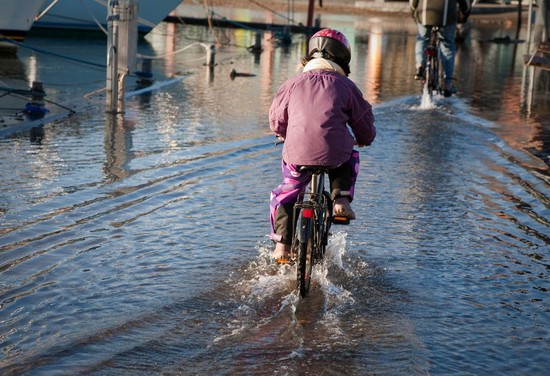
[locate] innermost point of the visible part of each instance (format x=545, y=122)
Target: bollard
x=36, y=108
x=257, y=47
x=211, y=56
x=145, y=77
x=285, y=38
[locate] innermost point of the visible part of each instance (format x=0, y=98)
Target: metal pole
x=545, y=4
x=112, y=59
x=121, y=52
x=531, y=89
x=529, y=22
x=310, y=13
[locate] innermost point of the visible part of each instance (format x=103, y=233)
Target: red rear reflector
x=307, y=213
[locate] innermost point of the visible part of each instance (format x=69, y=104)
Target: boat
x=91, y=15
x=16, y=19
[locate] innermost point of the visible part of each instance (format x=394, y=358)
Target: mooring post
x=258, y=42
x=145, y=76
x=211, y=56
x=36, y=107
x=37, y=94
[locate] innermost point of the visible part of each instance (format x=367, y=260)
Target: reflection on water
x=11, y=67
x=118, y=145
x=138, y=244
x=13, y=76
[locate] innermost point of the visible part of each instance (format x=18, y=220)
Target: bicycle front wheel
x=432, y=75
x=305, y=256
x=436, y=84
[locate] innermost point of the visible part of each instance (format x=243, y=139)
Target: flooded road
x=140, y=245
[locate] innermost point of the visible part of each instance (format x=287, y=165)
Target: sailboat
x=91, y=15
x=16, y=19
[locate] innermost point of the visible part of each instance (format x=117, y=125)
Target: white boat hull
x=87, y=14
x=17, y=17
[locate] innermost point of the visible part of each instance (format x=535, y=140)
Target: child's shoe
x=281, y=252
x=342, y=208
x=448, y=89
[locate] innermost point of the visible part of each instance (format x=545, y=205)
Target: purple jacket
x=312, y=111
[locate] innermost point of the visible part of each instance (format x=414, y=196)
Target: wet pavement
x=138, y=244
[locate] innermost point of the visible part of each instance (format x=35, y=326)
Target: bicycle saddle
x=314, y=169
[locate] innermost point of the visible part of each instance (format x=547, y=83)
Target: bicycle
x=312, y=221
x=432, y=72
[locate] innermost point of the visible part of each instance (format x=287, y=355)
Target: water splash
x=337, y=248
x=269, y=288
x=329, y=272
x=427, y=102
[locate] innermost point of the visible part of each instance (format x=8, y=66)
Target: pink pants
x=342, y=183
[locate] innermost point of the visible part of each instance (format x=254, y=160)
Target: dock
x=231, y=24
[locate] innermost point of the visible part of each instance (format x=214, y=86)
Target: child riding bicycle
x=314, y=113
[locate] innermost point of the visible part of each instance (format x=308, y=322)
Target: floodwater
x=139, y=245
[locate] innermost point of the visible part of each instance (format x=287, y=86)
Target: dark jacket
x=312, y=112
x=439, y=12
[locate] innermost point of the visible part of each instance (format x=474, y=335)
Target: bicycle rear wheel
x=432, y=65
x=305, y=255
x=429, y=85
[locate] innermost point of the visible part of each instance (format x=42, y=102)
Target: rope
x=46, y=10
x=22, y=45
x=171, y=53
x=9, y=90
x=20, y=93
x=93, y=17
x=273, y=11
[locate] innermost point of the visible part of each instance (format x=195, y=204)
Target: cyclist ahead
x=445, y=14
x=312, y=111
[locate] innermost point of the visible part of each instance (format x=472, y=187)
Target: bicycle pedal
x=285, y=261
x=340, y=220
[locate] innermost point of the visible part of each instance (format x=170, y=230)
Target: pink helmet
x=332, y=43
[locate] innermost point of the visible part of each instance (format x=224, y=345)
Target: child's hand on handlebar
x=280, y=140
